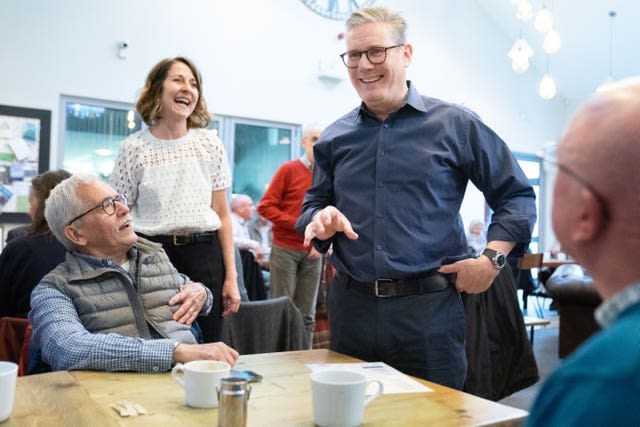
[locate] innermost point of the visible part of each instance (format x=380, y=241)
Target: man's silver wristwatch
x=497, y=258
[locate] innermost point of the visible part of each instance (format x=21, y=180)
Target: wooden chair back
x=15, y=334
x=529, y=261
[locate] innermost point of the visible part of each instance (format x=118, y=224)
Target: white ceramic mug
x=8, y=375
x=200, y=379
x=339, y=397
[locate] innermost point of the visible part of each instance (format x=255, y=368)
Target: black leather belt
x=422, y=284
x=183, y=239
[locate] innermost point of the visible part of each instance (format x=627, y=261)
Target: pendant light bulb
x=544, y=21
x=552, y=42
x=547, y=88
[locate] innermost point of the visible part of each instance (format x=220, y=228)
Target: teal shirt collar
x=607, y=313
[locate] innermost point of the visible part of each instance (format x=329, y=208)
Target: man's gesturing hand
x=326, y=223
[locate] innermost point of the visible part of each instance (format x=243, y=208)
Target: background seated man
x=116, y=303
x=260, y=230
x=476, y=239
x=251, y=251
x=242, y=210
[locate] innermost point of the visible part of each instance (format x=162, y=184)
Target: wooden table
x=532, y=322
x=283, y=398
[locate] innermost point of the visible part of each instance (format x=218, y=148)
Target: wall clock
x=336, y=9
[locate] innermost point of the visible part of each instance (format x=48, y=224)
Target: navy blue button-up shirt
x=400, y=183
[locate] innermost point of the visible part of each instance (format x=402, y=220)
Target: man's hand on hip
x=473, y=275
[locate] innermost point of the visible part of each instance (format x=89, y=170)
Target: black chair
x=252, y=276
x=266, y=326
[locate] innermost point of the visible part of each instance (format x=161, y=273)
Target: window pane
x=535, y=233
x=258, y=152
x=530, y=168
x=93, y=134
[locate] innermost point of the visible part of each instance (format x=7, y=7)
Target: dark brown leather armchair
x=576, y=299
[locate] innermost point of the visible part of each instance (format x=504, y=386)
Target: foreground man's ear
x=75, y=235
x=591, y=220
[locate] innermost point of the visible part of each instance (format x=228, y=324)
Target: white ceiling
x=582, y=64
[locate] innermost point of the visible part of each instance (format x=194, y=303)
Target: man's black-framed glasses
x=551, y=160
x=108, y=205
x=375, y=55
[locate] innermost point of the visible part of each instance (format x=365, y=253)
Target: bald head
x=242, y=205
x=310, y=134
x=603, y=145
x=596, y=202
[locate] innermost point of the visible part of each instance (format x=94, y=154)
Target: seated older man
x=116, y=303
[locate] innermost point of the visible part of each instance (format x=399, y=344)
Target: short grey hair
x=475, y=222
x=63, y=204
x=239, y=200
x=382, y=15
x=308, y=127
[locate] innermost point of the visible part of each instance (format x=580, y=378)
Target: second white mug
x=8, y=375
x=200, y=378
x=339, y=397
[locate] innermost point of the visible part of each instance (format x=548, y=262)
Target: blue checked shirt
x=65, y=344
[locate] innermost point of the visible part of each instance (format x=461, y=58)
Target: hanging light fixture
x=131, y=119
x=525, y=10
x=520, y=53
x=610, y=79
x=547, y=87
x=552, y=42
x=544, y=20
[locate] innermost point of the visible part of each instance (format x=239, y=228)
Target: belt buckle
x=175, y=240
x=376, y=287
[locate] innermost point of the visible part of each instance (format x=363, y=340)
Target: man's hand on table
x=211, y=351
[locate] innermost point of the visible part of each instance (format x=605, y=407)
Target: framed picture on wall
x=24, y=153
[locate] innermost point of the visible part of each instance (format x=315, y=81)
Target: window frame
x=64, y=99
x=226, y=127
x=540, y=182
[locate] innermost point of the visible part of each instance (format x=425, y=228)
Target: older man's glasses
x=108, y=205
x=549, y=159
x=375, y=55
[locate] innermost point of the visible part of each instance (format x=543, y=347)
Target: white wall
x=259, y=59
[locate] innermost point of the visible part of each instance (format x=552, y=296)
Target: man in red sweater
x=295, y=270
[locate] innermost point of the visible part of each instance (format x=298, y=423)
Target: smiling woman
x=176, y=176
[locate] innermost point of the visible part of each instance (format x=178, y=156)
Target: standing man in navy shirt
x=388, y=183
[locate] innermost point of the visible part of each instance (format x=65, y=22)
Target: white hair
x=63, y=204
x=308, y=127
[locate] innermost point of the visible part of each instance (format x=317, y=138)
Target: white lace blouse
x=169, y=182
